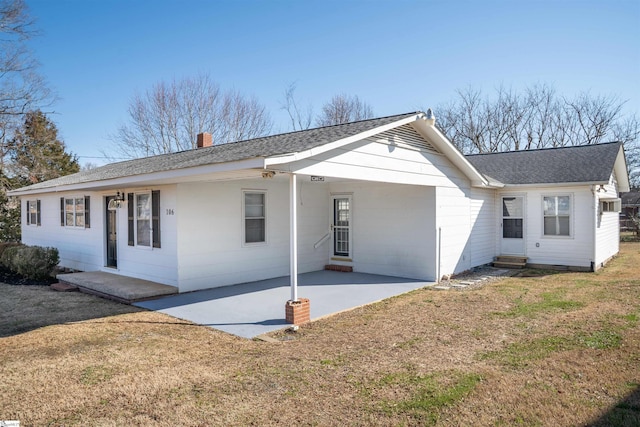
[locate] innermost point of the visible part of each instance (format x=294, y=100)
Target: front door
x=341, y=227
x=112, y=241
x=512, y=225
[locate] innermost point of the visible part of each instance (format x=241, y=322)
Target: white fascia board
x=130, y=181
x=622, y=172
x=292, y=157
x=555, y=184
x=443, y=144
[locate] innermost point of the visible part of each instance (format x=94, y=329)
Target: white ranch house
x=389, y=196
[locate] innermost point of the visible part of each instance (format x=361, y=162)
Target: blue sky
x=398, y=56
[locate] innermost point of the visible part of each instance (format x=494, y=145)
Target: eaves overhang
x=147, y=178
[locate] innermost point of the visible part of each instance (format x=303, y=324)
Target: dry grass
x=560, y=350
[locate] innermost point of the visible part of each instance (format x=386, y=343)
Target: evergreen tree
x=36, y=154
x=33, y=154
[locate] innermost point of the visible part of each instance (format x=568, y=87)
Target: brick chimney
x=204, y=140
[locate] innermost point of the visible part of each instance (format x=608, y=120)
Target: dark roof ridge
x=543, y=149
x=275, y=135
x=310, y=129
x=246, y=141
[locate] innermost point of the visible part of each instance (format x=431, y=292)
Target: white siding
x=483, y=226
x=393, y=228
x=210, y=245
x=575, y=250
x=379, y=161
x=155, y=264
x=79, y=248
x=607, y=226
x=85, y=248
x=466, y=223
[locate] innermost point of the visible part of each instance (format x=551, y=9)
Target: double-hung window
x=74, y=211
x=144, y=219
x=557, y=215
x=254, y=207
x=33, y=212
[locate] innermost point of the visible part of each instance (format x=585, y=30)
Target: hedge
x=33, y=262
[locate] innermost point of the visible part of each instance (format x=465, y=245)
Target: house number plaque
x=170, y=212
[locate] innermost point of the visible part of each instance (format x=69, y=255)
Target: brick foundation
x=297, y=312
x=341, y=268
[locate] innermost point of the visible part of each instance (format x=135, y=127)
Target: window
x=557, y=215
x=74, y=212
x=144, y=219
x=254, y=217
x=512, y=217
x=33, y=212
x=612, y=205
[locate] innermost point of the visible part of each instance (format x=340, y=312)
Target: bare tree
x=299, y=118
x=168, y=117
x=538, y=118
x=343, y=109
x=22, y=89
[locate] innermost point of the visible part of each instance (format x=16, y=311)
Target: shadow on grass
x=25, y=308
x=625, y=413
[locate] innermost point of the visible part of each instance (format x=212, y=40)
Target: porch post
x=293, y=236
x=297, y=310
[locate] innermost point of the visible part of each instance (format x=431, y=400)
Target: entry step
x=341, y=268
x=510, y=261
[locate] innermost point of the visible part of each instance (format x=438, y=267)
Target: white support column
x=293, y=236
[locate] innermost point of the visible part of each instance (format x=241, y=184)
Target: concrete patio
x=251, y=309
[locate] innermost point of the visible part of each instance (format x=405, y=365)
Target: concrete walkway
x=251, y=309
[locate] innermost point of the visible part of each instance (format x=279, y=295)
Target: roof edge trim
x=255, y=163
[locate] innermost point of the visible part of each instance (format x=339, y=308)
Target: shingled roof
x=292, y=142
x=578, y=164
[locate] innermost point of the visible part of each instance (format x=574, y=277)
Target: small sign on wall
x=315, y=178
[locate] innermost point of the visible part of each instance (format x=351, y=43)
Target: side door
x=512, y=224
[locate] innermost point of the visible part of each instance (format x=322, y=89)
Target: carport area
x=251, y=309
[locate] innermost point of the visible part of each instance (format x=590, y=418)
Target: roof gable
x=576, y=164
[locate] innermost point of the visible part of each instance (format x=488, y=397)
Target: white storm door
x=512, y=241
x=341, y=227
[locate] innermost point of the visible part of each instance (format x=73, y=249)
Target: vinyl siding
x=574, y=250
x=79, y=248
x=607, y=226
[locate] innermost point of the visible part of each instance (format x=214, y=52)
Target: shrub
x=6, y=245
x=33, y=262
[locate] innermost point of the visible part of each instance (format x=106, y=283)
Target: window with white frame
x=254, y=206
x=143, y=219
x=74, y=211
x=33, y=212
x=557, y=215
x=610, y=205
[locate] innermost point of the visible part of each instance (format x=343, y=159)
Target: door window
x=512, y=216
